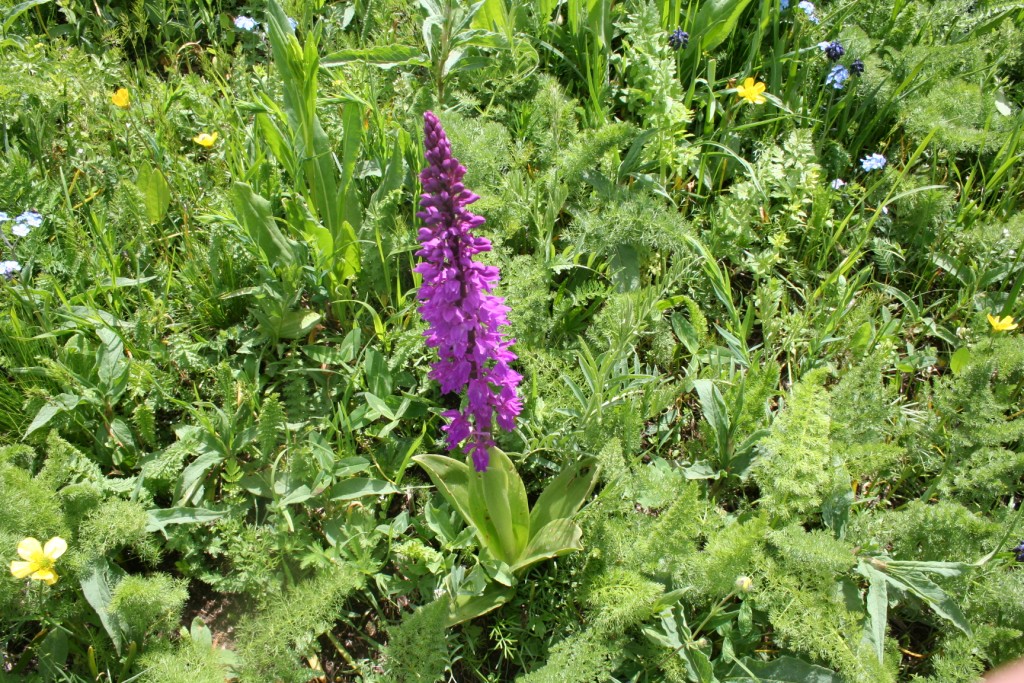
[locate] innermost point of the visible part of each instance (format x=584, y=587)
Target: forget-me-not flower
x=838, y=184
x=9, y=268
x=873, y=162
x=837, y=76
x=294, y=24
x=808, y=7
x=32, y=219
x=784, y=4
x=4, y=217
x=245, y=23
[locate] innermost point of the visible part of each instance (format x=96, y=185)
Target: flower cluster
x=679, y=39
x=245, y=23
x=464, y=319
x=24, y=223
x=833, y=50
x=809, y=10
x=873, y=162
x=37, y=560
x=837, y=76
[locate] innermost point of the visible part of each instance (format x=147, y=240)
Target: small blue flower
x=245, y=23
x=1019, y=550
x=838, y=184
x=833, y=50
x=808, y=8
x=30, y=218
x=20, y=229
x=678, y=39
x=4, y=217
x=837, y=76
x=873, y=162
x=784, y=4
x=857, y=67
x=9, y=268
x=294, y=24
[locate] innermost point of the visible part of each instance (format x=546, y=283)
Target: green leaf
x=360, y=487
x=959, y=360
x=256, y=218
x=451, y=478
x=296, y=324
x=559, y=537
x=156, y=194
x=715, y=411
x=384, y=56
x=782, y=670
x=877, y=607
x=98, y=582
x=61, y=403
x=159, y=518
x=926, y=589
x=497, y=499
x=467, y=607
x=565, y=494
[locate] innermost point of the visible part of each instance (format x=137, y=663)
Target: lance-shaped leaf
x=499, y=505
x=559, y=537
x=565, y=494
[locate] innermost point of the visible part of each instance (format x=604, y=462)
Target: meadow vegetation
x=762, y=263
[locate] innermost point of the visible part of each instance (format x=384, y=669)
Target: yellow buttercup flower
x=121, y=98
x=37, y=560
x=205, y=139
x=751, y=91
x=1001, y=324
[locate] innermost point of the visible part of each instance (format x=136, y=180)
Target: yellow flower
x=751, y=91
x=205, y=139
x=38, y=560
x=1001, y=324
x=120, y=98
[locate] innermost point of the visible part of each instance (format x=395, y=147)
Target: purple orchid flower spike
x=464, y=319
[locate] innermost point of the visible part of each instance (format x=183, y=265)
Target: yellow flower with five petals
x=121, y=98
x=205, y=139
x=37, y=560
x=751, y=91
x=1001, y=324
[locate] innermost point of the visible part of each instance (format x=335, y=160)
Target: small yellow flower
x=205, y=139
x=120, y=98
x=1001, y=324
x=38, y=560
x=751, y=91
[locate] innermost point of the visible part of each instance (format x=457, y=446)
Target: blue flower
x=833, y=50
x=873, y=162
x=784, y=4
x=294, y=24
x=30, y=218
x=9, y=268
x=245, y=23
x=20, y=229
x=678, y=39
x=4, y=217
x=1019, y=550
x=808, y=8
x=837, y=76
x=838, y=184
x=857, y=67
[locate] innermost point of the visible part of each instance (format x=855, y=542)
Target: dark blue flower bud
x=678, y=39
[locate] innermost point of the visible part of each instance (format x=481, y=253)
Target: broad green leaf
x=384, y=56
x=559, y=537
x=295, y=324
x=782, y=670
x=877, y=607
x=61, y=403
x=360, y=487
x=256, y=218
x=467, y=607
x=451, y=478
x=98, y=582
x=159, y=518
x=958, y=361
x=926, y=589
x=497, y=499
x=156, y=194
x=565, y=494
x=715, y=411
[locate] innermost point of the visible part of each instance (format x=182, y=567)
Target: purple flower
x=833, y=50
x=1019, y=550
x=837, y=76
x=678, y=39
x=9, y=269
x=857, y=67
x=464, y=319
